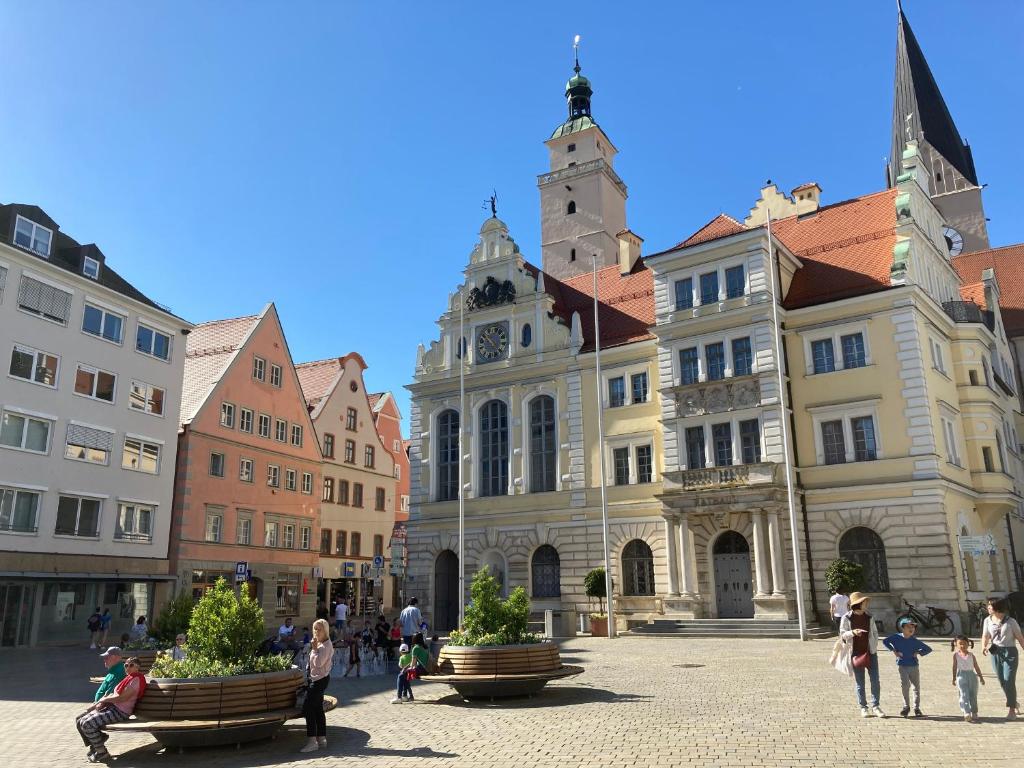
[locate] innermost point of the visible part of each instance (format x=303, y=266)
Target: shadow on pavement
x=552, y=696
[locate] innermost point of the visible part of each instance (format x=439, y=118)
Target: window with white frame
x=245, y=420
x=288, y=539
x=89, y=444
x=708, y=284
x=264, y=426
x=714, y=356
x=735, y=281
x=140, y=455
x=937, y=358
x=709, y=288
x=696, y=455
x=245, y=470
x=639, y=387
x=289, y=479
x=134, y=522
x=644, y=463
x=628, y=386
x=369, y=457
x=150, y=341
x=846, y=433
x=722, y=443
x=216, y=464
x=616, y=391
x=684, y=293
x=305, y=537
x=101, y=322
x=750, y=441
x=25, y=432
x=78, y=516
x=44, y=300
x=273, y=475
x=836, y=349
x=19, y=510
x=397, y=471
x=949, y=436
x=214, y=525
x=34, y=365
x=90, y=268
x=32, y=236
x=280, y=430
x=227, y=415
x=3, y=280
x=631, y=460
x=275, y=375
x=742, y=357
x=297, y=435
x=715, y=359
x=270, y=534
x=307, y=482
x=94, y=383
x=147, y=398
x=259, y=368
x=243, y=528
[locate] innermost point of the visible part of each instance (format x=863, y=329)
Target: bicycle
x=937, y=620
x=976, y=614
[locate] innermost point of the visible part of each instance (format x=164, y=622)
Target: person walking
x=318, y=672
x=839, y=606
x=94, y=624
x=858, y=628
x=907, y=649
x=966, y=674
x=354, y=661
x=115, y=707
x=410, y=618
x=105, y=619
x=999, y=637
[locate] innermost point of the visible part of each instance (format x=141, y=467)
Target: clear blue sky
x=333, y=157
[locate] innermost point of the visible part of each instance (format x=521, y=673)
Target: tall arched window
x=543, y=444
x=546, y=572
x=862, y=545
x=448, y=456
x=637, y=568
x=494, y=449
x=571, y=207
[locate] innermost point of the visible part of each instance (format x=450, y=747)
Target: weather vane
x=576, y=53
x=493, y=200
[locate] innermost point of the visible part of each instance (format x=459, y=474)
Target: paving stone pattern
x=642, y=701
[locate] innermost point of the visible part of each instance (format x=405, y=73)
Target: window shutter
x=44, y=299
x=88, y=437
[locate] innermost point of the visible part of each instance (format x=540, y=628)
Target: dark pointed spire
x=919, y=109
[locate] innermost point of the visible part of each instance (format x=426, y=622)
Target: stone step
x=743, y=628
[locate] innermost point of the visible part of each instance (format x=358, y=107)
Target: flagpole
x=600, y=449
x=784, y=420
x=462, y=493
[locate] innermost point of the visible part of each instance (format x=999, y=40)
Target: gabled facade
x=357, y=495
x=88, y=429
x=388, y=420
x=248, y=479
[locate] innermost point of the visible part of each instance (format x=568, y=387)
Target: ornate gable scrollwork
x=491, y=294
x=719, y=397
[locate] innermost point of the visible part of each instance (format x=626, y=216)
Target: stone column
x=671, y=555
x=760, y=561
x=687, y=557
x=778, y=563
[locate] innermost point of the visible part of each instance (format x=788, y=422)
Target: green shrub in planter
x=174, y=619
x=197, y=666
x=844, y=576
x=491, y=620
x=595, y=587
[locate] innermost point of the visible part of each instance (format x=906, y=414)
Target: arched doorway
x=734, y=594
x=446, y=592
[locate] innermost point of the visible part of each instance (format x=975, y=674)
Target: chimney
x=806, y=197
x=629, y=250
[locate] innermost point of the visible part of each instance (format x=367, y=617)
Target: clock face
x=954, y=240
x=492, y=342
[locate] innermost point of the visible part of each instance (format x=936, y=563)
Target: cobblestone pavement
x=641, y=701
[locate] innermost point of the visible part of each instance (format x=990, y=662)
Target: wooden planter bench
x=501, y=670
x=216, y=710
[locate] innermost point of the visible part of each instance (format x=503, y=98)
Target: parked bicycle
x=976, y=614
x=937, y=620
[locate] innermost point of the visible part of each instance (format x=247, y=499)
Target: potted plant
x=595, y=586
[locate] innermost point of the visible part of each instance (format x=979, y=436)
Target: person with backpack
x=94, y=624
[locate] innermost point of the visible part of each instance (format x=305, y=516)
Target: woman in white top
x=318, y=672
x=999, y=637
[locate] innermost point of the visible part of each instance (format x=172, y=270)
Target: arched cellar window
x=637, y=569
x=448, y=456
x=571, y=207
x=862, y=545
x=494, y=449
x=546, y=572
x=543, y=436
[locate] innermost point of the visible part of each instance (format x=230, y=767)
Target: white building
x=88, y=435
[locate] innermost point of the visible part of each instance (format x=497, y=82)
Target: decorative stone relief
x=719, y=397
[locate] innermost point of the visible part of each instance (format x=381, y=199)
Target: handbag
x=862, y=660
x=413, y=673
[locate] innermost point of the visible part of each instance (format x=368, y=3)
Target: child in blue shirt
x=907, y=649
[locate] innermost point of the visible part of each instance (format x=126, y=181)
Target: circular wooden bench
x=217, y=710
x=500, y=671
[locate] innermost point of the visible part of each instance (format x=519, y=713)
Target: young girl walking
x=966, y=674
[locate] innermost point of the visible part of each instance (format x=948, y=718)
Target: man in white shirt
x=839, y=604
x=340, y=615
x=410, y=619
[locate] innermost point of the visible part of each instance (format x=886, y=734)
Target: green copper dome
x=577, y=81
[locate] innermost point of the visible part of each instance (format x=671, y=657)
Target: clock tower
x=582, y=199
x=919, y=112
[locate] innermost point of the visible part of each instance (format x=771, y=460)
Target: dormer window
x=91, y=268
x=32, y=236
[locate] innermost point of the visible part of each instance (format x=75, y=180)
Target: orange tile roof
x=845, y=248
x=374, y=398
x=209, y=349
x=974, y=292
x=316, y=378
x=1008, y=264
x=720, y=226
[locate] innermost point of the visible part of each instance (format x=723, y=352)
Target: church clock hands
x=492, y=342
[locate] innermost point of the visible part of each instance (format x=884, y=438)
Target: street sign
x=378, y=582
x=241, y=571
x=348, y=570
x=977, y=545
x=378, y=561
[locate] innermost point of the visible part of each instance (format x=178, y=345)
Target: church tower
x=582, y=199
x=919, y=112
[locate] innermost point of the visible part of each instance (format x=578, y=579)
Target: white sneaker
x=311, y=746
x=877, y=712
x=322, y=741
x=865, y=712
x=396, y=700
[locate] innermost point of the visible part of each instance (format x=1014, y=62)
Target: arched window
x=494, y=449
x=448, y=456
x=543, y=444
x=637, y=569
x=571, y=207
x=546, y=572
x=862, y=545
x=527, y=335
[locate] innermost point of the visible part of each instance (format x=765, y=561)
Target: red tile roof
x=974, y=292
x=209, y=349
x=1008, y=263
x=374, y=398
x=316, y=378
x=845, y=248
x=722, y=225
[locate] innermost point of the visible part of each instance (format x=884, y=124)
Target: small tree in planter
x=595, y=586
x=174, y=618
x=844, y=575
x=492, y=621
